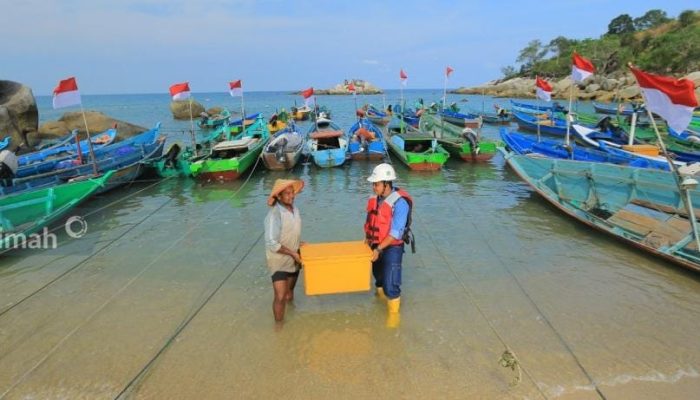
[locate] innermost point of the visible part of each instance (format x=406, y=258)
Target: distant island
x=361, y=87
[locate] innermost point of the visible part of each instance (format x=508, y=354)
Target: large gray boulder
x=19, y=115
x=181, y=109
x=96, y=122
x=630, y=92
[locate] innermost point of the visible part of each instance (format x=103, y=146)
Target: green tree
x=533, y=52
x=621, y=24
x=651, y=19
x=509, y=71
x=687, y=18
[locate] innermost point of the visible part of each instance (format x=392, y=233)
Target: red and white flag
x=235, y=88
x=544, y=89
x=673, y=99
x=403, y=77
x=448, y=71
x=66, y=94
x=581, y=68
x=180, y=91
x=307, y=95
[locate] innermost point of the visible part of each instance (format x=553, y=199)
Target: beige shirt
x=282, y=228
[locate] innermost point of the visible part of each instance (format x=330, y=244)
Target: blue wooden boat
x=214, y=121
x=327, y=144
x=128, y=161
x=460, y=119
x=377, y=117
x=54, y=164
x=4, y=143
x=366, y=141
x=641, y=207
x=529, y=122
x=530, y=108
x=407, y=115
x=614, y=109
x=526, y=144
x=66, y=148
x=615, y=146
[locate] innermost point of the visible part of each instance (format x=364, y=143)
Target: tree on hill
x=651, y=19
x=687, y=18
x=620, y=25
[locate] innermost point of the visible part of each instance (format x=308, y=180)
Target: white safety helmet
x=382, y=172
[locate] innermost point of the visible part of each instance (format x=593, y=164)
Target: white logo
x=81, y=225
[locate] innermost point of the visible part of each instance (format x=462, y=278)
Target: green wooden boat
x=229, y=159
x=642, y=207
x=24, y=214
x=177, y=159
x=452, y=139
x=418, y=150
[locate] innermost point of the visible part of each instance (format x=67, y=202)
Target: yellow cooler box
x=336, y=267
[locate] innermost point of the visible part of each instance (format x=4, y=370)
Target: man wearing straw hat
x=282, y=240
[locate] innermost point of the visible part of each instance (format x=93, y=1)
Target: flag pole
x=90, y=149
x=444, y=93
x=242, y=111
x=402, y=103
x=194, y=140
x=569, y=116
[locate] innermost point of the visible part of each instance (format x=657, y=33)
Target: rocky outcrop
x=600, y=88
x=19, y=116
x=96, y=122
x=361, y=87
x=181, y=109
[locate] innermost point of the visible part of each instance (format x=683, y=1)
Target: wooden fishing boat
x=417, y=150
x=276, y=126
x=75, y=158
x=366, y=141
x=529, y=122
x=496, y=119
x=466, y=145
x=642, y=207
x=215, y=121
x=229, y=159
x=327, y=144
x=462, y=120
x=409, y=116
x=128, y=161
x=284, y=149
x=529, y=108
x=26, y=213
x=302, y=113
x=528, y=144
x=377, y=117
x=67, y=148
x=234, y=127
x=615, y=109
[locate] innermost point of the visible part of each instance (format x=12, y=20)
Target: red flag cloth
x=180, y=91
x=581, y=68
x=403, y=75
x=448, y=71
x=66, y=93
x=544, y=89
x=235, y=88
x=673, y=99
x=307, y=93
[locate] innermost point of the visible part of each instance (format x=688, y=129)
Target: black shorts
x=284, y=275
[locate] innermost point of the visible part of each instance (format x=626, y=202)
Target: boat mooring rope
x=506, y=358
x=129, y=283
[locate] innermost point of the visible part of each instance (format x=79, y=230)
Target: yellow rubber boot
x=393, y=317
x=380, y=294
x=393, y=305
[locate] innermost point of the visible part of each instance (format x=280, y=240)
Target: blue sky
x=143, y=46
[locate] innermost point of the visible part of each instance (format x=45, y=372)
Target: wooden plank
x=633, y=222
x=664, y=208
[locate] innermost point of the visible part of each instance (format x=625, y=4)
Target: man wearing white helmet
x=388, y=216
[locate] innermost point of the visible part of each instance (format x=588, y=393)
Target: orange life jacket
x=378, y=223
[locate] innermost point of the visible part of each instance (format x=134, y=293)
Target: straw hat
x=280, y=185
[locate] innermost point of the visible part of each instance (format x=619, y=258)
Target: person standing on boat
x=282, y=241
x=388, y=220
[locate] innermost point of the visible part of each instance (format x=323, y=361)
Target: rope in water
x=129, y=283
x=533, y=304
